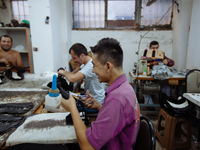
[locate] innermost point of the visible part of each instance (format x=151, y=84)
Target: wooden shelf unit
x=21, y=36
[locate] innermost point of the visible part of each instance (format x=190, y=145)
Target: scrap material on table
x=49, y=128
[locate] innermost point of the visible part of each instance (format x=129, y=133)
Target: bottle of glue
x=53, y=99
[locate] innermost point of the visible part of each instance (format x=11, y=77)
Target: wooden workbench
x=134, y=78
x=31, y=89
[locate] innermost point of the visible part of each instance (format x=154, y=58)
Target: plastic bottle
x=148, y=69
x=145, y=73
x=53, y=99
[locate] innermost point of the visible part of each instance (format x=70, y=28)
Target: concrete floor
x=194, y=146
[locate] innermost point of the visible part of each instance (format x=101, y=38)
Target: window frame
x=137, y=21
x=12, y=7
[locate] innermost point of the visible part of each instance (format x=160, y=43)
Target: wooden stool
x=171, y=135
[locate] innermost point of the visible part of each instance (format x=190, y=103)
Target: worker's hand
x=90, y=102
x=155, y=63
x=68, y=104
x=165, y=61
x=61, y=73
x=79, y=67
x=4, y=60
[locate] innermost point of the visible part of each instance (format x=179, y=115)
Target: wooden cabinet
x=21, y=36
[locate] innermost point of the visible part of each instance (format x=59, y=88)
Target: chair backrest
x=146, y=135
x=193, y=81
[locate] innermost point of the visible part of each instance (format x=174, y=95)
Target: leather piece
x=2, y=78
x=185, y=111
x=2, y=64
x=20, y=73
x=15, y=108
x=61, y=82
x=7, y=122
x=79, y=103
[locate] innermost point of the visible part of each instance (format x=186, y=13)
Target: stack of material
x=49, y=128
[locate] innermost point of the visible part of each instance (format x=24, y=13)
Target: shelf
x=21, y=36
x=13, y=28
x=23, y=52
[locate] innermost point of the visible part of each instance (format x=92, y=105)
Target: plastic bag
x=20, y=48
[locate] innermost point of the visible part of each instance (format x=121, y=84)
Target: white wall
x=41, y=35
x=193, y=60
x=129, y=40
x=55, y=33
x=46, y=37
x=65, y=26
x=6, y=14
x=181, y=25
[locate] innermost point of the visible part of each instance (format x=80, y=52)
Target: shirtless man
x=7, y=55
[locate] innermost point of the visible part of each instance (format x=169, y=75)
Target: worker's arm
x=70, y=76
x=76, y=70
x=80, y=127
x=168, y=62
x=19, y=62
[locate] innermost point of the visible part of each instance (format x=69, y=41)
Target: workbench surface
x=31, y=82
x=31, y=89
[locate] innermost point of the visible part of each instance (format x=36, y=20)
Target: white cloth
x=91, y=82
x=161, y=72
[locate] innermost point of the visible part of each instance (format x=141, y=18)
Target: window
x=20, y=10
x=119, y=15
x=116, y=14
x=151, y=15
x=89, y=14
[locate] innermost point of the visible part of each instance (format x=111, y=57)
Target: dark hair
x=6, y=36
x=153, y=43
x=78, y=49
x=108, y=49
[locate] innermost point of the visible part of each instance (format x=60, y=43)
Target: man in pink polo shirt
x=118, y=121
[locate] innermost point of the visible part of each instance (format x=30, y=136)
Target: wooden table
x=30, y=89
x=134, y=78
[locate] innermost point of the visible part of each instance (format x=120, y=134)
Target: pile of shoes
x=9, y=115
x=7, y=122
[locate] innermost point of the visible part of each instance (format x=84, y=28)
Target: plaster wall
x=56, y=34
x=129, y=42
x=193, y=61
x=47, y=37
x=65, y=27
x=6, y=14
x=41, y=35
x=181, y=25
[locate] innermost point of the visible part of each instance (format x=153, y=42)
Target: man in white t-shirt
x=80, y=56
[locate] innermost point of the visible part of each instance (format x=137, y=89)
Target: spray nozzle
x=54, y=91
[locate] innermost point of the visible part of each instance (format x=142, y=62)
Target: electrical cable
x=142, y=36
